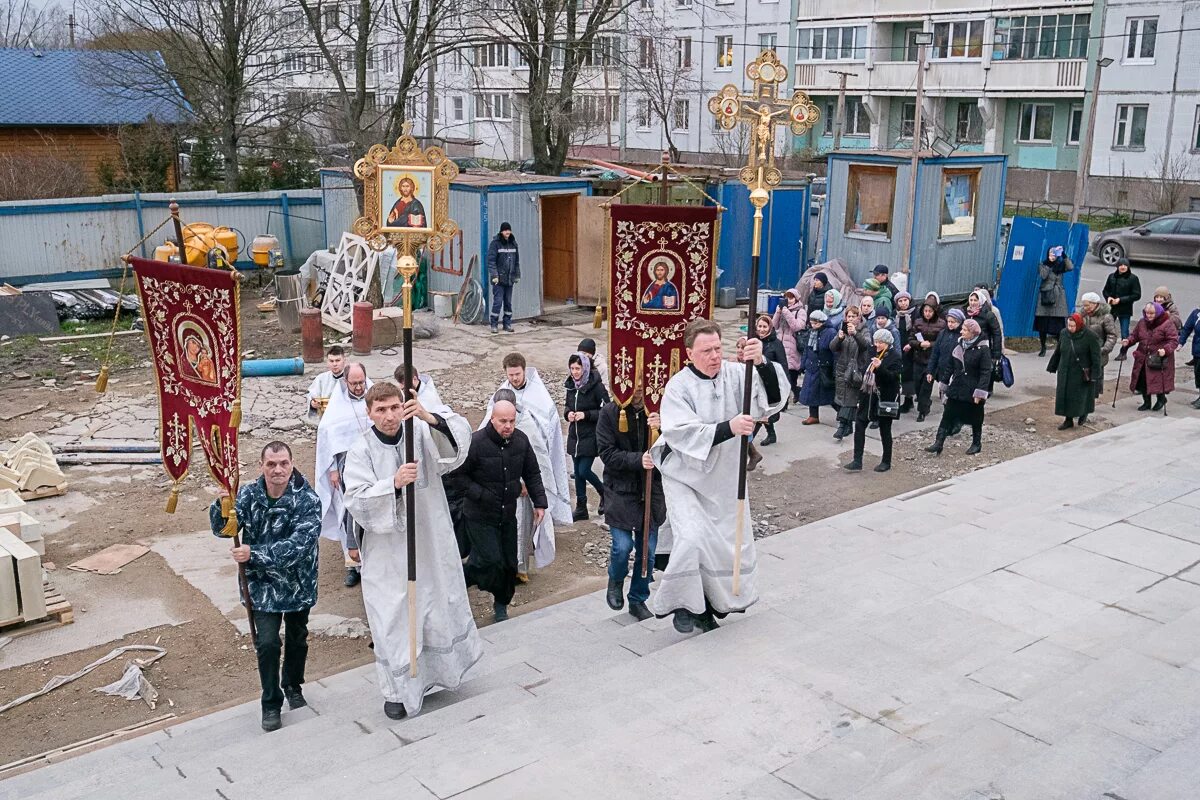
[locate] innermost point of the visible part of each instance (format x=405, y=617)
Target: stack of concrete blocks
x=22, y=596
x=29, y=468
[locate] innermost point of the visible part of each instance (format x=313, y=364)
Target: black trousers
x=294, y=648
x=924, y=395
x=492, y=564
x=861, y=421
x=962, y=412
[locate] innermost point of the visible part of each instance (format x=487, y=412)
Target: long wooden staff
x=647, y=498
x=408, y=268
x=758, y=198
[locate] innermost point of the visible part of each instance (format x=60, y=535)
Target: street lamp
x=921, y=39
x=1085, y=154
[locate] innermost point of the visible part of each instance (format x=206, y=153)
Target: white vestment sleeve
x=371, y=498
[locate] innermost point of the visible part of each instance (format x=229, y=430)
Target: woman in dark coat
x=1154, y=335
x=970, y=377
x=817, y=362
x=1121, y=291
x=1077, y=363
x=816, y=298
x=1051, y=312
x=586, y=395
x=887, y=365
x=852, y=352
x=926, y=328
x=772, y=350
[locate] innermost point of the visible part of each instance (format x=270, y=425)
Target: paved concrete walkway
x=1027, y=631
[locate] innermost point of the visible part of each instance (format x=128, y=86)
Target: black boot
x=920, y=416
x=906, y=406
x=843, y=430
x=956, y=429
x=499, y=612
x=1161, y=403
x=1042, y=352
x=706, y=622
x=936, y=447
x=295, y=698
x=854, y=466
x=394, y=710
x=639, y=611
x=271, y=720
x=581, y=511
x=615, y=596
x=770, y=435
x=684, y=622
x=352, y=578
x=1066, y=425
x=1145, y=406
x=975, y=444
x=1083, y=420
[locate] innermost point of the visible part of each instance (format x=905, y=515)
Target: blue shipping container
x=1028, y=241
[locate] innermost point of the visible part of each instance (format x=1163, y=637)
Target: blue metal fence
x=1028, y=241
x=784, y=239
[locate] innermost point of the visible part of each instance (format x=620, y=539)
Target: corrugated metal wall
x=862, y=253
x=340, y=204
x=1020, y=282
x=89, y=235
x=464, y=209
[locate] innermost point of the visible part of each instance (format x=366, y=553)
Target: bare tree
x=1175, y=177
x=24, y=23
x=216, y=64
x=661, y=74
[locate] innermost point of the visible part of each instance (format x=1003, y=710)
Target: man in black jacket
x=499, y=460
x=504, y=268
x=626, y=460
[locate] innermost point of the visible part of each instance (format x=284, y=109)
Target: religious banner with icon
x=191, y=317
x=661, y=277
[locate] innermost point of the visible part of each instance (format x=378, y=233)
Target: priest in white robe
x=320, y=391
x=698, y=454
x=376, y=479
x=344, y=422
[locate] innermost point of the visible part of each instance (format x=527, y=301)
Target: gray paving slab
x=1171, y=775
x=1085, y=573
x=1163, y=601
x=1019, y=602
x=1089, y=763
x=1144, y=548
x=1029, y=670
x=1179, y=518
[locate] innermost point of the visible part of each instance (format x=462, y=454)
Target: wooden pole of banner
x=407, y=267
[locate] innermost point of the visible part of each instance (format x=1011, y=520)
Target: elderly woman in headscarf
x=1050, y=314
x=885, y=364
x=852, y=351
x=585, y=397
x=817, y=360
x=980, y=308
x=1162, y=296
x=1156, y=338
x=1099, y=319
x=968, y=387
x=879, y=291
x=1077, y=363
x=790, y=320
x=834, y=308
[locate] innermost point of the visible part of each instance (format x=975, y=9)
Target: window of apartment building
x=1130, y=132
x=332, y=18
x=846, y=43
x=371, y=62
x=388, y=59
x=461, y=60
x=1140, y=36
x=959, y=190
x=683, y=3
x=870, y=199
x=491, y=55
x=291, y=19
x=645, y=52
x=968, y=127
x=681, y=115
x=908, y=120
x=646, y=5
x=683, y=50
x=858, y=122
x=1075, y=124
x=602, y=53
x=459, y=108
x=493, y=105
x=962, y=39
x=1036, y=124
x=768, y=41
x=596, y=109
x=1046, y=36
x=724, y=52
x=293, y=62
x=642, y=113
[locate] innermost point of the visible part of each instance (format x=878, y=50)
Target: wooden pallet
x=44, y=492
x=59, y=612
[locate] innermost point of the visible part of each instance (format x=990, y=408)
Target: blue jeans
x=502, y=297
x=583, y=476
x=1124, y=326
x=618, y=561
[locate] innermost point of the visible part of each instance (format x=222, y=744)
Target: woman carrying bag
x=1078, y=365
x=1051, y=312
x=880, y=400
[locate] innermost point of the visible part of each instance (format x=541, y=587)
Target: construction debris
x=62, y=680
x=132, y=686
x=30, y=469
x=110, y=560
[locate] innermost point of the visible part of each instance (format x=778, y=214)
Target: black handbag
x=1155, y=361
x=886, y=409
x=1048, y=297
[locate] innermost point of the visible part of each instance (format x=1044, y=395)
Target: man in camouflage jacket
x=279, y=519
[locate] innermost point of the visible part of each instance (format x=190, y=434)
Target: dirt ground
x=210, y=665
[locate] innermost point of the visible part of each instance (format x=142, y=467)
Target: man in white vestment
x=321, y=389
x=698, y=455
x=376, y=479
x=537, y=409
x=344, y=422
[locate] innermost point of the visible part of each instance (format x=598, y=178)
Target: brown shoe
x=752, y=458
x=811, y=421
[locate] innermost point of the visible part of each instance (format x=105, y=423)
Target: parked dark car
x=1173, y=239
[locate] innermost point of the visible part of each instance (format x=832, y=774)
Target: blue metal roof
x=74, y=87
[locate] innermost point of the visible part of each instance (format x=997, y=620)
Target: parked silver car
x=1174, y=239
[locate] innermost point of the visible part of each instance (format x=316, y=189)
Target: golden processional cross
x=762, y=110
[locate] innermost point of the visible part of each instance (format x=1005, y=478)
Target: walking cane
x=1117, y=384
x=407, y=267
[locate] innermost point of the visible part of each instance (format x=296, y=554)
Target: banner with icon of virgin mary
x=191, y=318
x=662, y=276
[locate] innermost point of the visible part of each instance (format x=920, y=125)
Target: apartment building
x=1146, y=147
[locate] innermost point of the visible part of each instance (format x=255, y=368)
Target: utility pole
x=839, y=124
x=921, y=40
x=430, y=93
x=1085, y=146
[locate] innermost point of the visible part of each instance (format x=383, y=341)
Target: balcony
x=1049, y=77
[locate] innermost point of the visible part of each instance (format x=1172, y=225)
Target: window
x=459, y=110
x=461, y=60
x=370, y=60
x=1163, y=225
x=683, y=50
x=493, y=105
x=908, y=120
x=331, y=18
x=969, y=126
x=643, y=113
x=681, y=115
x=1140, y=38
x=491, y=55
x=912, y=50
x=962, y=39
x=1131, y=127
x=831, y=44
x=596, y=109
x=683, y=3
x=768, y=41
x=388, y=59
x=858, y=122
x=1036, y=123
x=646, y=5
x=870, y=199
x=293, y=62
x=602, y=53
x=1075, y=124
x=1188, y=227
x=724, y=52
x=645, y=52
x=1196, y=131
x=960, y=187
x=1046, y=36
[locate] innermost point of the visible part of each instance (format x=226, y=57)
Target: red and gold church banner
x=662, y=277
x=191, y=317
